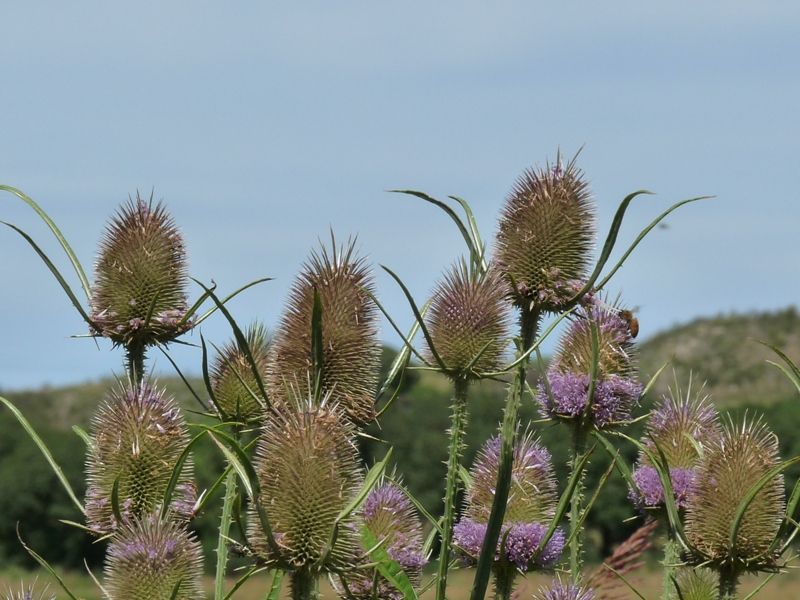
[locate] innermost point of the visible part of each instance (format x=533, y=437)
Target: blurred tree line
x=32, y=500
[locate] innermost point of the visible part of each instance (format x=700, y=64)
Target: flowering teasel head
x=564, y=394
x=351, y=351
x=138, y=435
x=545, y=236
x=530, y=508
x=391, y=519
x=560, y=590
x=308, y=470
x=731, y=464
x=236, y=390
x=680, y=427
x=467, y=321
x=154, y=559
x=139, y=293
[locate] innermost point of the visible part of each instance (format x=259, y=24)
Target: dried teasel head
x=308, y=470
x=233, y=382
x=139, y=292
x=730, y=466
x=391, y=518
x=153, y=559
x=467, y=321
x=680, y=427
x=565, y=393
x=545, y=236
x=138, y=434
x=531, y=506
x=351, y=351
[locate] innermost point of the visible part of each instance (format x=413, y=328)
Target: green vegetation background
x=723, y=352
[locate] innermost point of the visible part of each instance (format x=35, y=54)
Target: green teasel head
x=351, y=351
x=467, y=321
x=139, y=292
x=545, y=236
x=308, y=469
x=697, y=584
x=730, y=466
x=137, y=435
x=154, y=559
x=233, y=382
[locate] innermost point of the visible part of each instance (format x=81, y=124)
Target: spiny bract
x=467, y=321
x=730, y=466
x=233, y=382
x=351, y=352
x=393, y=521
x=308, y=470
x=138, y=434
x=28, y=593
x=697, y=584
x=559, y=590
x=545, y=236
x=139, y=291
x=149, y=557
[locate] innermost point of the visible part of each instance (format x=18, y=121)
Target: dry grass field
x=782, y=587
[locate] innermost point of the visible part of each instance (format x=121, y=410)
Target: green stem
x=529, y=322
x=457, y=428
x=304, y=585
x=224, y=532
x=728, y=580
x=134, y=362
x=672, y=557
x=504, y=583
x=576, y=506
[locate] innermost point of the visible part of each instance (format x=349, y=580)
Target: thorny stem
x=504, y=583
x=134, y=362
x=728, y=580
x=224, y=532
x=576, y=504
x=304, y=585
x=672, y=555
x=457, y=429
x=529, y=321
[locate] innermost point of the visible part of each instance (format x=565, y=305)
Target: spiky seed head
x=393, y=520
x=467, y=320
x=308, y=469
x=698, y=584
x=351, y=355
x=730, y=466
x=232, y=379
x=138, y=434
x=680, y=426
x=560, y=590
x=530, y=508
x=139, y=292
x=28, y=593
x=148, y=557
x=565, y=395
x=545, y=236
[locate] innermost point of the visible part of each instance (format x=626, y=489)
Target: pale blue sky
x=261, y=124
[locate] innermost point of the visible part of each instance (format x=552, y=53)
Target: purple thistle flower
x=559, y=590
x=517, y=544
x=650, y=492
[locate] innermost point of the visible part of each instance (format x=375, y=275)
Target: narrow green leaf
x=406, y=340
x=625, y=581
x=373, y=476
x=465, y=477
x=588, y=508
x=403, y=357
x=275, y=589
x=42, y=562
x=317, y=346
x=175, y=590
x=176, y=473
x=622, y=467
x=242, y=580
x=115, y=500
x=207, y=380
x=760, y=587
x=196, y=306
x=56, y=273
x=84, y=436
x=653, y=379
x=476, y=236
x=387, y=567
x=45, y=451
x=73, y=259
x=183, y=378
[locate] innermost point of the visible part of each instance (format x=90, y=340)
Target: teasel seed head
x=467, y=320
x=530, y=508
x=565, y=394
x=545, y=236
x=559, y=590
x=138, y=434
x=730, y=466
x=393, y=520
x=148, y=557
x=308, y=470
x=139, y=293
x=680, y=426
x=698, y=584
x=233, y=382
x=351, y=355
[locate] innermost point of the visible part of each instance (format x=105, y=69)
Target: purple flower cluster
x=559, y=590
x=614, y=397
x=650, y=493
x=517, y=544
x=388, y=510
